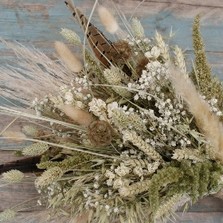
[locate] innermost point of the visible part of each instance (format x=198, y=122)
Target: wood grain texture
x=38, y=22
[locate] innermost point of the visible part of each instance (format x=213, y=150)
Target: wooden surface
x=38, y=22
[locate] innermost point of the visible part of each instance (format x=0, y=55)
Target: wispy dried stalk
x=33, y=69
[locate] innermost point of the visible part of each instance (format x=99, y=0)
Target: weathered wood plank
x=194, y=217
x=40, y=217
x=39, y=23
x=22, y=193
x=208, y=204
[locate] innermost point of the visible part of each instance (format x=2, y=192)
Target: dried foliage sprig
x=209, y=86
x=208, y=122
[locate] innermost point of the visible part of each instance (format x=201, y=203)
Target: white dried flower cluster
x=171, y=114
x=151, y=81
x=133, y=168
x=53, y=189
x=154, y=53
x=119, y=174
x=141, y=167
x=38, y=105
x=122, y=170
x=167, y=112
x=66, y=95
x=49, y=103
x=213, y=103
x=99, y=108
x=116, y=177
x=77, y=93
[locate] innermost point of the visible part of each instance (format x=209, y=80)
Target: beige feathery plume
x=207, y=122
x=108, y=20
x=34, y=69
x=72, y=62
x=77, y=115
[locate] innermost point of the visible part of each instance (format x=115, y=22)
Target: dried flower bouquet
x=126, y=135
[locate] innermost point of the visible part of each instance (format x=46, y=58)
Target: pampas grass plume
x=77, y=115
x=108, y=20
x=208, y=123
x=72, y=62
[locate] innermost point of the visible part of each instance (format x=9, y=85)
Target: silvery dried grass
x=34, y=69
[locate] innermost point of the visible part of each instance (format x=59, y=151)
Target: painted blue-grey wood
x=38, y=23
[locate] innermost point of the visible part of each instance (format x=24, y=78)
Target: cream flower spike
x=108, y=20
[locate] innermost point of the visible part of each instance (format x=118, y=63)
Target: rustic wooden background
x=38, y=22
